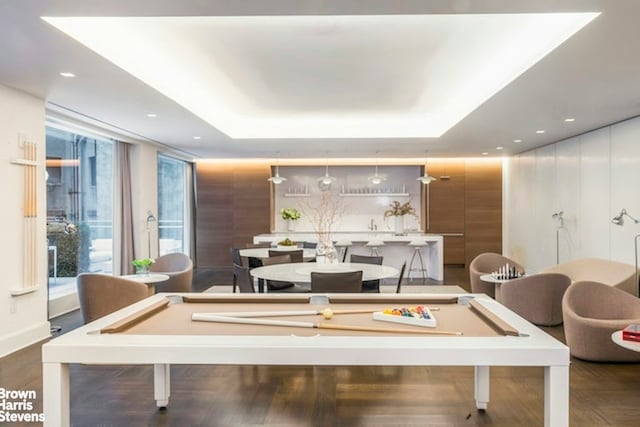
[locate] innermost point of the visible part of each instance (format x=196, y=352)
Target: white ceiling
x=362, y=82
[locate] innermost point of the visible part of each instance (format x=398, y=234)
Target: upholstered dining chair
x=537, y=298
x=592, y=311
x=279, y=286
x=296, y=255
x=401, y=277
x=257, y=245
x=102, y=294
x=368, y=285
x=487, y=263
x=179, y=268
x=243, y=279
x=343, y=282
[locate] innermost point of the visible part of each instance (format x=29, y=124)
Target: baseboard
x=24, y=338
x=63, y=304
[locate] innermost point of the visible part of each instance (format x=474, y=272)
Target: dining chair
x=281, y=286
x=343, y=282
x=257, y=245
x=235, y=259
x=243, y=279
x=368, y=285
x=400, y=277
x=309, y=245
x=296, y=255
x=102, y=294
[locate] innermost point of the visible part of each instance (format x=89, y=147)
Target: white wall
x=358, y=210
x=23, y=319
x=590, y=178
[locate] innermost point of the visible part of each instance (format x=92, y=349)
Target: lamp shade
x=277, y=179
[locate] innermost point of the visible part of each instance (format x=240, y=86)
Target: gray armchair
x=102, y=294
x=593, y=311
x=179, y=268
x=486, y=263
x=537, y=298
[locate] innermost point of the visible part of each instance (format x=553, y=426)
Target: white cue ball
x=327, y=313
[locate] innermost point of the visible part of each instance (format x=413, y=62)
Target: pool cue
x=292, y=312
x=205, y=317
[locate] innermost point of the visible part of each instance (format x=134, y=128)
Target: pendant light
x=326, y=180
x=426, y=178
x=277, y=179
x=376, y=179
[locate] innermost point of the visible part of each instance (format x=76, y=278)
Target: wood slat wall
x=233, y=205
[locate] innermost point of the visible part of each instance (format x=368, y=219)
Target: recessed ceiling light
x=485, y=154
x=197, y=137
x=569, y=119
x=152, y=115
x=540, y=131
x=245, y=108
x=499, y=148
x=517, y=140
x=67, y=74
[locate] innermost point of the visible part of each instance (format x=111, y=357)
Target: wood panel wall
x=233, y=204
x=465, y=206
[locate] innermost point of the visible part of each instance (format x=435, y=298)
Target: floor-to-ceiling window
x=173, y=205
x=79, y=180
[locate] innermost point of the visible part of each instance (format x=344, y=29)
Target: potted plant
x=398, y=211
x=142, y=265
x=290, y=215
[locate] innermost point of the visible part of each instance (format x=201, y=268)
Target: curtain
x=123, y=257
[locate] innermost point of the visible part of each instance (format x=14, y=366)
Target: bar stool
x=343, y=247
x=418, y=244
x=374, y=244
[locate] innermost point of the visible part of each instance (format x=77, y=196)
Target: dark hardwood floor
x=282, y=396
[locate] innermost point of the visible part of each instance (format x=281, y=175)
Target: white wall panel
x=594, y=194
x=568, y=196
x=544, y=197
x=625, y=187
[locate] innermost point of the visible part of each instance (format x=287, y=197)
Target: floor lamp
x=150, y=221
x=619, y=220
x=560, y=224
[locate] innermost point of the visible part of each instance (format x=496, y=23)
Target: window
x=173, y=205
x=79, y=206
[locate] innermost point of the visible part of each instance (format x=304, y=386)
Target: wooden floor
x=601, y=394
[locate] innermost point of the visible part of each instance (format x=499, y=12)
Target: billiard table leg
x=55, y=394
x=161, y=384
x=556, y=396
x=481, y=391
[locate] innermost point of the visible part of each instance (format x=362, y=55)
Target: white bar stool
x=418, y=244
x=343, y=247
x=374, y=244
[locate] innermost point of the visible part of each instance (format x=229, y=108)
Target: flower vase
x=399, y=225
x=326, y=252
x=290, y=225
x=142, y=269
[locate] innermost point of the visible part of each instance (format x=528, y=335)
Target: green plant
x=399, y=209
x=142, y=263
x=290, y=213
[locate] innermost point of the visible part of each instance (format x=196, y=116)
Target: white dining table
x=307, y=254
x=300, y=272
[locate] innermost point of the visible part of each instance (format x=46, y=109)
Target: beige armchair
x=537, y=298
x=612, y=273
x=179, y=268
x=102, y=294
x=487, y=263
x=592, y=311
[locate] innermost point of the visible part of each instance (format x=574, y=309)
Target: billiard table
x=471, y=330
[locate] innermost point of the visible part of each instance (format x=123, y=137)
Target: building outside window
x=173, y=205
x=79, y=181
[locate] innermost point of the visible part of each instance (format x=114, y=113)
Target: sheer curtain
x=125, y=251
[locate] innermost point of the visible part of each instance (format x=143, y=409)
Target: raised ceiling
x=308, y=79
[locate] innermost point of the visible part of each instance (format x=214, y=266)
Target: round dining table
x=300, y=272
x=307, y=254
